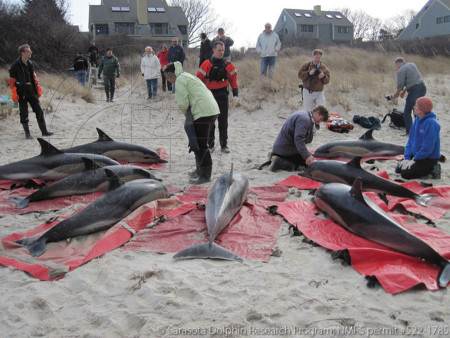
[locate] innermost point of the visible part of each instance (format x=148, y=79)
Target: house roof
x=303, y=16
x=446, y=3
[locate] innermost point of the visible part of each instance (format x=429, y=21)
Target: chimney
x=317, y=10
x=142, y=12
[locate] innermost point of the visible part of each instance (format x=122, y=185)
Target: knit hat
x=425, y=104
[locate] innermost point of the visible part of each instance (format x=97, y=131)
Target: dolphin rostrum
x=329, y=171
x=93, y=179
x=50, y=165
x=358, y=214
x=364, y=146
x=224, y=201
x=120, y=151
x=117, y=203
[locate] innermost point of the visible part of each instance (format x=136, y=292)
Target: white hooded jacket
x=150, y=66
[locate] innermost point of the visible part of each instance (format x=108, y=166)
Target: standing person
x=217, y=73
x=227, y=42
x=80, y=64
x=176, y=53
x=268, y=45
x=289, y=149
x=25, y=89
x=422, y=151
x=205, y=48
x=315, y=75
x=201, y=110
x=408, y=80
x=162, y=56
x=150, y=68
x=93, y=54
x=111, y=69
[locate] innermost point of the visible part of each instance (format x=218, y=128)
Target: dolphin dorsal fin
x=355, y=162
x=102, y=136
x=367, y=135
x=47, y=149
x=230, y=178
x=90, y=164
x=356, y=190
x=114, y=180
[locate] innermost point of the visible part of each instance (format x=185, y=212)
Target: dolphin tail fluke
x=36, y=246
x=424, y=199
x=444, y=276
x=207, y=250
x=21, y=202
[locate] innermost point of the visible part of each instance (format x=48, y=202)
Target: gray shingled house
x=432, y=20
x=327, y=26
x=140, y=19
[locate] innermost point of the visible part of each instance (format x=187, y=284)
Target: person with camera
x=422, y=151
x=315, y=76
x=408, y=80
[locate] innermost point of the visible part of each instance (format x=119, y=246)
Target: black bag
x=397, y=119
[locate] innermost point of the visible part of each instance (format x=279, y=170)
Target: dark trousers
x=419, y=169
x=221, y=97
x=164, y=82
x=35, y=105
x=202, y=130
x=413, y=94
x=288, y=163
x=110, y=86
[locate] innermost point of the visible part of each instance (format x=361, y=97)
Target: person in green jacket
x=201, y=111
x=111, y=69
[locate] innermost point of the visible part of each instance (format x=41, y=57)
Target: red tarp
x=7, y=184
x=251, y=234
x=62, y=257
x=395, y=271
x=435, y=209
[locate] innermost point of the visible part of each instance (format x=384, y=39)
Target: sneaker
x=107, y=100
x=436, y=173
x=111, y=100
x=225, y=150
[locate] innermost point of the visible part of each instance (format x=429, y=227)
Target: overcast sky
x=249, y=16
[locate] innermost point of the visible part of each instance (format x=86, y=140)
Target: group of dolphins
x=91, y=167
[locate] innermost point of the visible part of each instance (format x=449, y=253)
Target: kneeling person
x=289, y=150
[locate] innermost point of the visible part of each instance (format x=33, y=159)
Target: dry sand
x=301, y=292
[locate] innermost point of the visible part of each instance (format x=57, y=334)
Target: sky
x=247, y=17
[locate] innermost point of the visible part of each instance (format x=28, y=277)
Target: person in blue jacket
x=422, y=151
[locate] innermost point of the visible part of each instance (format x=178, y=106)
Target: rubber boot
x=27, y=131
x=204, y=175
x=43, y=128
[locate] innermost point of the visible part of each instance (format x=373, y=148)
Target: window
x=307, y=28
x=159, y=28
x=307, y=15
x=338, y=16
x=151, y=9
x=101, y=29
x=343, y=30
x=417, y=25
x=443, y=19
x=284, y=18
x=115, y=9
x=120, y=9
x=183, y=29
x=329, y=16
x=298, y=14
x=126, y=28
x=160, y=9
x=124, y=9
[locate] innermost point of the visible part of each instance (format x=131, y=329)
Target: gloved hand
x=408, y=165
x=235, y=100
x=402, y=164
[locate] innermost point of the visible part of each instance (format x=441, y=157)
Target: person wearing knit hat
x=408, y=80
x=422, y=151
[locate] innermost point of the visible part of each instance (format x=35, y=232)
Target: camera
x=300, y=86
x=317, y=72
x=388, y=97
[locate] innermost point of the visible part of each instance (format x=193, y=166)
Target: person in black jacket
x=206, y=50
x=80, y=65
x=25, y=89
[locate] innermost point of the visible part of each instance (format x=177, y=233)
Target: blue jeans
x=152, y=87
x=81, y=77
x=268, y=62
x=413, y=94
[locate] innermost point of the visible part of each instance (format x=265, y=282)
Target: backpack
x=397, y=119
x=218, y=71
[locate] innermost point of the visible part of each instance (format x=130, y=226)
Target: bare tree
x=201, y=17
x=365, y=27
x=397, y=24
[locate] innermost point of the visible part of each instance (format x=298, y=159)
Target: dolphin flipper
x=36, y=246
x=207, y=250
x=444, y=276
x=21, y=202
x=424, y=199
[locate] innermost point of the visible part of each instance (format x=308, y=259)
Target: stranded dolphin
x=120, y=151
x=329, y=171
x=102, y=214
x=358, y=214
x=94, y=178
x=364, y=146
x=224, y=201
x=51, y=164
